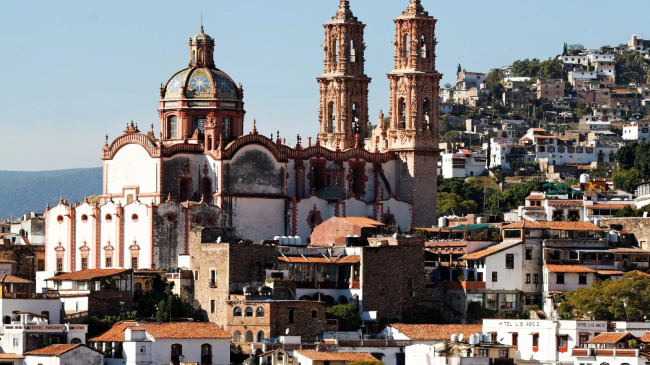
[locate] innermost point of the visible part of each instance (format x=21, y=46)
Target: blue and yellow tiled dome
x=200, y=83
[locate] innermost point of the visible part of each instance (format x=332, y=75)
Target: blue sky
x=73, y=71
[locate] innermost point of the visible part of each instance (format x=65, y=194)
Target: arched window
x=248, y=337
x=173, y=127
x=138, y=287
x=579, y=150
x=236, y=336
x=542, y=149
x=236, y=312
x=185, y=189
x=331, y=118
x=336, y=51
x=423, y=47
x=355, y=118
x=561, y=149
x=343, y=300
x=401, y=112
x=75, y=341
x=260, y=336
x=225, y=127
x=426, y=111
x=353, y=56
x=210, y=146
x=550, y=149
x=206, y=190
x=406, y=46
x=198, y=122
x=177, y=352
x=260, y=312
x=249, y=312
x=206, y=354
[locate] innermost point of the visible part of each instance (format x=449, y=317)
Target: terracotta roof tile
x=320, y=259
x=335, y=356
x=608, y=338
x=88, y=275
x=544, y=137
x=629, y=250
x=5, y=261
x=569, y=269
x=572, y=226
x=430, y=332
x=491, y=250
x=53, y=350
x=175, y=330
x=10, y=357
x=536, y=197
x=10, y=279
x=610, y=272
x=524, y=224
x=645, y=337
x=611, y=206
x=565, y=203
x=363, y=222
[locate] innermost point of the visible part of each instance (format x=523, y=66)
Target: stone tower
x=412, y=132
x=343, y=86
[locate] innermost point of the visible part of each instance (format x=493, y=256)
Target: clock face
x=199, y=83
x=224, y=84
x=175, y=84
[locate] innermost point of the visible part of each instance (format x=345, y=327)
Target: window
x=510, y=261
x=584, y=337
x=134, y=263
x=529, y=254
x=527, y=278
x=503, y=353
x=206, y=354
x=535, y=341
x=508, y=301
x=84, y=263
x=535, y=278
x=198, y=122
x=109, y=262
x=177, y=352
x=515, y=340
x=562, y=343
x=409, y=283
x=212, y=305
x=15, y=342
x=40, y=266
x=173, y=127
x=225, y=127
x=582, y=279
x=559, y=278
x=143, y=349
x=236, y=312
x=314, y=314
x=248, y=312
x=483, y=353
x=291, y=316
x=493, y=337
x=260, y=312
x=59, y=264
x=494, y=276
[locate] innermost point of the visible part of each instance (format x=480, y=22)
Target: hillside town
x=501, y=220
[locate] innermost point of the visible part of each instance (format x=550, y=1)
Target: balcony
x=213, y=283
x=585, y=352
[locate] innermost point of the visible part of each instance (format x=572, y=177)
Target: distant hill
x=24, y=191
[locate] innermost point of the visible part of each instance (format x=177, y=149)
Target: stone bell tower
x=414, y=112
x=343, y=86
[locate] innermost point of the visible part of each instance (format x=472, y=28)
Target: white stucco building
x=463, y=163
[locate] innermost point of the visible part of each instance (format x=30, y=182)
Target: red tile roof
x=524, y=224
x=610, y=272
x=491, y=250
x=174, y=330
x=10, y=279
x=363, y=222
x=572, y=226
x=432, y=332
x=10, y=357
x=611, y=206
x=5, y=261
x=544, y=137
x=53, y=350
x=565, y=203
x=569, y=269
x=335, y=356
x=608, y=338
x=645, y=337
x=536, y=197
x=320, y=259
x=88, y=275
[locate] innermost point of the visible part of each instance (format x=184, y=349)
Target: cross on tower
x=201, y=20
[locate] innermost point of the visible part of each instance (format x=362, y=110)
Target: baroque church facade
x=204, y=168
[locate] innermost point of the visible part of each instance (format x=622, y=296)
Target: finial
x=271, y=136
x=254, y=126
x=47, y=206
x=284, y=141
x=86, y=199
x=61, y=200
x=151, y=127
x=169, y=197
x=106, y=140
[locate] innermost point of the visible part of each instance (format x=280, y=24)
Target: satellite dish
x=460, y=337
x=286, y=332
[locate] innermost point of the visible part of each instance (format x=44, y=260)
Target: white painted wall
x=161, y=349
x=36, y=306
x=137, y=227
x=131, y=166
x=507, y=279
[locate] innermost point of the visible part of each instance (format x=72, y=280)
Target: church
x=205, y=168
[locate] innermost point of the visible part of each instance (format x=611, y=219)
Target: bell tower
x=201, y=50
x=414, y=111
x=343, y=110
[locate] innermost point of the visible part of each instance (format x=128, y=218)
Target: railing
x=212, y=284
x=31, y=296
x=605, y=352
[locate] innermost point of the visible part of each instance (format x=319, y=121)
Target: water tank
x=480, y=220
x=613, y=237
x=486, y=338
x=284, y=241
x=597, y=221
x=297, y=241
x=276, y=238
x=442, y=222
x=584, y=178
x=454, y=338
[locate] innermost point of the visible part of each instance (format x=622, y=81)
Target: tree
x=347, y=316
x=512, y=198
x=551, y=69
x=565, y=51
x=600, y=172
x=606, y=300
x=458, y=70
x=466, y=189
x=629, y=212
x=626, y=179
x=625, y=155
x=498, y=176
x=493, y=81
x=451, y=137
x=453, y=204
x=574, y=49
x=642, y=158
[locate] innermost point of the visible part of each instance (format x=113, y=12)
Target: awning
x=469, y=227
x=585, y=334
x=561, y=335
x=534, y=333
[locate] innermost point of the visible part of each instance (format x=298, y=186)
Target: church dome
x=202, y=36
x=201, y=83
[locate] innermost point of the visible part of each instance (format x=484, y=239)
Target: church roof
x=344, y=15
x=200, y=83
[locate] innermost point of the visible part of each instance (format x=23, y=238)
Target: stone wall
x=639, y=226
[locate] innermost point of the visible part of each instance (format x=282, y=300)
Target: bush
x=347, y=315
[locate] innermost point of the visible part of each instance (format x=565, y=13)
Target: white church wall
x=108, y=233
x=130, y=167
x=85, y=232
x=258, y=218
x=58, y=230
x=137, y=227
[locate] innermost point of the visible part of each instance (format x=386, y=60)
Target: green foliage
x=631, y=68
x=466, y=189
x=97, y=326
x=347, y=315
x=642, y=158
x=626, y=179
x=618, y=300
x=450, y=203
x=498, y=176
x=451, y=137
x=511, y=198
x=600, y=172
x=174, y=307
x=476, y=312
x=565, y=50
x=24, y=191
x=582, y=109
x=574, y=49
x=551, y=69
x=629, y=212
x=625, y=155
x=494, y=80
